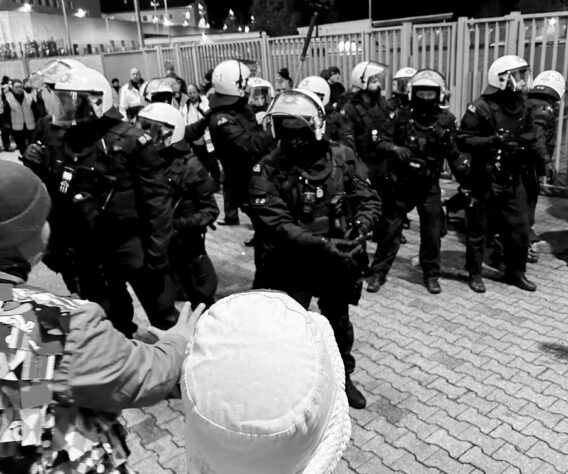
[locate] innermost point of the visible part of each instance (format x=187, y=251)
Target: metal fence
x=462, y=50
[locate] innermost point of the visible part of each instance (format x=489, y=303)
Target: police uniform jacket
x=368, y=117
x=239, y=140
x=545, y=118
x=123, y=175
x=280, y=190
x=193, y=200
x=483, y=120
x=66, y=380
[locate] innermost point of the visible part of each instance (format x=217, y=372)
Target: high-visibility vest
x=21, y=114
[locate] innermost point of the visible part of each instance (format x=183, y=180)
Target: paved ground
x=456, y=383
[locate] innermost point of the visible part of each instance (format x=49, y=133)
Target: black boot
x=354, y=396
x=475, y=282
x=432, y=284
x=374, y=282
x=519, y=279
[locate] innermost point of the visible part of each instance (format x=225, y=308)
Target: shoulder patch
x=144, y=139
x=472, y=108
x=257, y=168
x=222, y=121
x=392, y=114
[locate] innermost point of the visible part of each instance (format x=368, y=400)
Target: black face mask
x=28, y=89
x=301, y=147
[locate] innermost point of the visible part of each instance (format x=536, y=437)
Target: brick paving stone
x=446, y=464
x=387, y=453
x=516, y=458
x=476, y=437
x=375, y=466
x=419, y=448
x=483, y=422
x=547, y=418
x=418, y=427
x=162, y=411
x=476, y=458
x=148, y=431
x=408, y=463
x=521, y=441
x=517, y=421
x=554, y=439
x=356, y=456
x=149, y=465
x=543, y=451
x=444, y=440
x=133, y=416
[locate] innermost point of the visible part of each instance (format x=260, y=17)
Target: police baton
x=318, y=6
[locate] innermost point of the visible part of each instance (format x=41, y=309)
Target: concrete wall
x=92, y=6
x=16, y=27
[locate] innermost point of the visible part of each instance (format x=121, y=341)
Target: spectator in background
x=207, y=87
x=193, y=111
x=115, y=84
x=20, y=110
x=336, y=88
x=131, y=100
x=170, y=72
x=4, y=122
x=283, y=81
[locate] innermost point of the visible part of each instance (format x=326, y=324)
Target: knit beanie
x=24, y=205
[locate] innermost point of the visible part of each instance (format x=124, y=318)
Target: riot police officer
x=260, y=94
x=313, y=210
x=194, y=205
x=544, y=99
x=425, y=135
x=111, y=218
x=400, y=101
x=499, y=133
x=238, y=139
x=338, y=127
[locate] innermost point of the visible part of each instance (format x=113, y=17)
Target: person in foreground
x=65, y=371
x=263, y=389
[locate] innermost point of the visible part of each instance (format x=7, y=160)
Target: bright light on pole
x=26, y=8
x=70, y=44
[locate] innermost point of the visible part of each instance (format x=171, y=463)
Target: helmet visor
x=161, y=133
x=426, y=94
x=259, y=96
x=519, y=79
x=293, y=104
x=400, y=85
x=72, y=107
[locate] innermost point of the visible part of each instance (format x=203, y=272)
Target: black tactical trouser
x=532, y=188
x=102, y=276
x=507, y=202
x=390, y=230
x=304, y=276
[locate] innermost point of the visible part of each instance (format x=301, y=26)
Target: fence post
x=177, y=55
x=462, y=60
x=193, y=53
x=264, y=52
x=514, y=20
x=406, y=43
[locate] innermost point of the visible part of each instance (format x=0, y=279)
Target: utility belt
x=333, y=219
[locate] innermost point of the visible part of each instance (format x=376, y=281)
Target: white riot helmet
x=81, y=95
x=157, y=90
x=164, y=123
x=401, y=79
x=230, y=82
x=296, y=104
x=52, y=71
x=550, y=83
x=427, y=84
x=261, y=93
x=508, y=72
x=318, y=85
x=366, y=70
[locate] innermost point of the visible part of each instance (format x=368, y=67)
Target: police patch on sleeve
x=259, y=201
x=472, y=108
x=144, y=139
x=257, y=169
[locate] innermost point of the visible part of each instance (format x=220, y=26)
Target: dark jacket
x=193, y=200
x=545, y=117
x=122, y=176
x=484, y=121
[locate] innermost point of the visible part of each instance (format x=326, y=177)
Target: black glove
x=359, y=233
x=340, y=247
x=35, y=157
x=550, y=174
x=402, y=153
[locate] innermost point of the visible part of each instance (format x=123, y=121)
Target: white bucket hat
x=264, y=389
